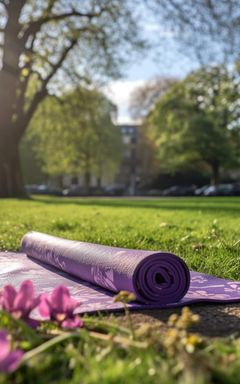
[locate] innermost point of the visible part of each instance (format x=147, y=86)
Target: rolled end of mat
x=161, y=278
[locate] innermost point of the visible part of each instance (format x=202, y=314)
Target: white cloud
x=119, y=92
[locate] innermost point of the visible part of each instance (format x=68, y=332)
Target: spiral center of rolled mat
x=159, y=278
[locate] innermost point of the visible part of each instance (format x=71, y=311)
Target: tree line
x=195, y=124
x=188, y=125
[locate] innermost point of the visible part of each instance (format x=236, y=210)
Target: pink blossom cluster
x=58, y=306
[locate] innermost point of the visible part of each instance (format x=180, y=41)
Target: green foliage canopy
x=197, y=121
x=75, y=134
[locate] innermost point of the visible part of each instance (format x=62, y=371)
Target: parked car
x=42, y=189
x=152, y=192
x=76, y=190
x=220, y=190
x=200, y=191
x=236, y=189
x=172, y=191
x=115, y=190
x=179, y=191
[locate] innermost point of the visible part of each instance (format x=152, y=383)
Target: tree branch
x=66, y=15
x=56, y=66
x=50, y=6
x=76, y=76
x=35, y=26
x=39, y=96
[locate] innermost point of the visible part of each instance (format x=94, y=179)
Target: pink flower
x=20, y=304
x=9, y=360
x=60, y=307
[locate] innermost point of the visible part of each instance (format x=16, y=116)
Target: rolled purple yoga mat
x=154, y=277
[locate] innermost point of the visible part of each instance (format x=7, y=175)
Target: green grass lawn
x=203, y=231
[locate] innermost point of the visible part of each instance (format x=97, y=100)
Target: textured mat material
x=94, y=273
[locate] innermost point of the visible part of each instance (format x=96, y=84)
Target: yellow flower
x=186, y=319
x=194, y=339
x=124, y=297
x=195, y=318
x=191, y=341
x=172, y=320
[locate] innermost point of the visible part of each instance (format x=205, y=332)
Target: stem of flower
x=64, y=336
x=119, y=340
x=48, y=344
x=105, y=326
x=28, y=331
x=128, y=315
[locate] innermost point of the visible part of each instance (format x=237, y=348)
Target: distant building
x=128, y=173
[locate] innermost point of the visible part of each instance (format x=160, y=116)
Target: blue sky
x=164, y=61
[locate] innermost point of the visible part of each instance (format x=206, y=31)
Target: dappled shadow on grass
x=222, y=204
x=216, y=320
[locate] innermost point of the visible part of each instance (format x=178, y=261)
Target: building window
x=74, y=180
x=133, y=140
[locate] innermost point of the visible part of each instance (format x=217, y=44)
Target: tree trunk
x=99, y=182
x=87, y=181
x=11, y=180
x=215, y=174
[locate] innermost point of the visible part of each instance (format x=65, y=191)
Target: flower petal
x=72, y=305
x=24, y=299
x=36, y=301
x=11, y=362
x=32, y=323
x=44, y=307
x=4, y=346
x=59, y=299
x=7, y=298
x=75, y=322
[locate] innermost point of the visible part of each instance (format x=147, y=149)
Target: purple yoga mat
x=152, y=276
x=94, y=273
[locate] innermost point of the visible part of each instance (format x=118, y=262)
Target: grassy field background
x=203, y=231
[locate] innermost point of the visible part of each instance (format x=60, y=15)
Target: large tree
x=42, y=40
x=79, y=137
x=197, y=122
